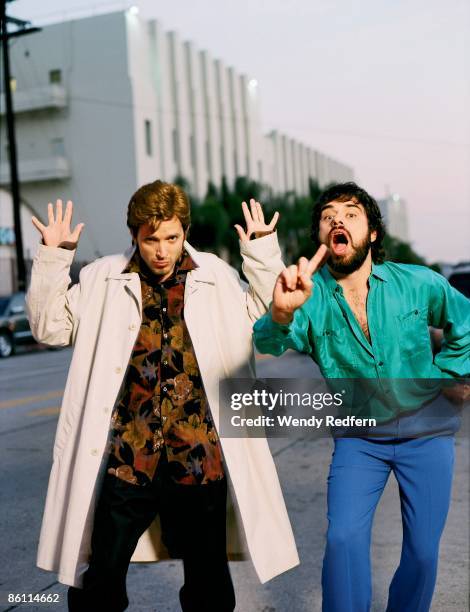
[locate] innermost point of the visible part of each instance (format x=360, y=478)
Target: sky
x=381, y=85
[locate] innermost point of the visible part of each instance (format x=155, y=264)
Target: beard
x=346, y=265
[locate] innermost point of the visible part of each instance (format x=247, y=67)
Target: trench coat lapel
x=130, y=280
x=201, y=276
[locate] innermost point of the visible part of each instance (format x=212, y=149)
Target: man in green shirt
x=369, y=319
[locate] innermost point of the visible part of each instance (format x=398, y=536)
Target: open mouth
x=339, y=242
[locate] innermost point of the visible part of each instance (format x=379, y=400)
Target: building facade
x=106, y=103
x=395, y=216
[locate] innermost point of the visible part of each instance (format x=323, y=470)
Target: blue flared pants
x=358, y=474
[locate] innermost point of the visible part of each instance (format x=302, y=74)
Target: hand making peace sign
x=294, y=286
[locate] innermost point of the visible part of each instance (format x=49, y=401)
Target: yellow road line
x=44, y=411
x=31, y=399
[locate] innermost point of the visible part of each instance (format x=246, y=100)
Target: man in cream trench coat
x=101, y=316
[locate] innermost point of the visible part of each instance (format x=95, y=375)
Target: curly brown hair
x=156, y=202
x=343, y=192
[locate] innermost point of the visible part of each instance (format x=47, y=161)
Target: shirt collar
x=137, y=264
x=380, y=271
x=330, y=281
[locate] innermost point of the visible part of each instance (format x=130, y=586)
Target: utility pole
x=10, y=120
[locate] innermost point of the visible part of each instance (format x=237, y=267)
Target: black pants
x=193, y=527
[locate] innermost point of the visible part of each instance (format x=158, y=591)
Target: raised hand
x=294, y=286
x=255, y=222
x=58, y=233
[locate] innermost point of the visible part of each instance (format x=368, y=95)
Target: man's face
x=344, y=228
x=161, y=248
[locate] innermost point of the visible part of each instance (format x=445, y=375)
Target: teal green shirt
x=403, y=301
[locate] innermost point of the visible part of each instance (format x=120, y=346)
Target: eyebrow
x=347, y=206
x=172, y=235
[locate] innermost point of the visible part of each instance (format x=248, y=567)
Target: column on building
x=291, y=171
x=159, y=51
x=303, y=169
x=254, y=138
x=239, y=154
x=282, y=168
x=270, y=177
x=276, y=176
x=300, y=169
x=312, y=168
x=226, y=135
x=198, y=135
x=179, y=97
x=321, y=170
x=295, y=165
x=212, y=144
x=140, y=51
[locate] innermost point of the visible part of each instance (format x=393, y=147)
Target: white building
x=7, y=241
x=395, y=216
x=110, y=102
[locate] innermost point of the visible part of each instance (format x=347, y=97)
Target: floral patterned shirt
x=162, y=406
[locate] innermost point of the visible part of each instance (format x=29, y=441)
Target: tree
x=213, y=221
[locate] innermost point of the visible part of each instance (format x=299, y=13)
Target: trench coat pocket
x=65, y=427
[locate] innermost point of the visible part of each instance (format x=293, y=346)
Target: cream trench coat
x=101, y=317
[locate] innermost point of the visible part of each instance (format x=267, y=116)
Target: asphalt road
x=31, y=386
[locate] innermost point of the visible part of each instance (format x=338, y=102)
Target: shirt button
x=381, y=363
x=118, y=370
x=165, y=335
x=106, y=409
x=165, y=363
x=94, y=452
x=164, y=310
x=132, y=327
x=164, y=389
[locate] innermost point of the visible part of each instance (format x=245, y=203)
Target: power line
x=91, y=9
x=377, y=136
x=304, y=126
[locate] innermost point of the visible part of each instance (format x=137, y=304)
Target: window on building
x=58, y=147
x=175, y=146
x=208, y=158
x=12, y=84
x=192, y=149
x=222, y=160
x=148, y=137
x=55, y=76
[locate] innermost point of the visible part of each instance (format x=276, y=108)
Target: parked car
x=14, y=324
x=460, y=278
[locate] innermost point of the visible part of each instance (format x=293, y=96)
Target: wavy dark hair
x=343, y=192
